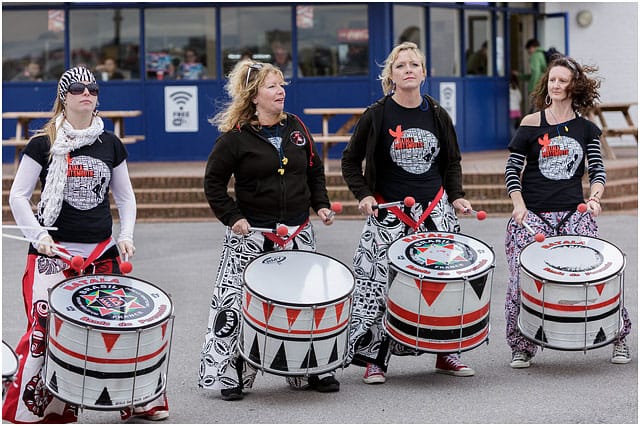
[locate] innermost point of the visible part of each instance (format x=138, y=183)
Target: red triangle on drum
x=248, y=299
x=600, y=288
x=57, y=322
x=267, y=308
x=110, y=340
x=318, y=314
x=292, y=315
x=164, y=329
x=538, y=284
x=430, y=290
x=339, y=308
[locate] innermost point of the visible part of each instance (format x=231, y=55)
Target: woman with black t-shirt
x=552, y=146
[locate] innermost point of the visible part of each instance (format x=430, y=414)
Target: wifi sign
x=181, y=108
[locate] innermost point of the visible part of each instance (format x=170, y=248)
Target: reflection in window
x=478, y=44
x=180, y=43
x=408, y=25
x=32, y=45
x=500, y=57
x=333, y=40
x=106, y=41
x=445, y=42
x=268, y=40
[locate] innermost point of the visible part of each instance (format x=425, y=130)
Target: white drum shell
x=106, y=367
x=308, y=334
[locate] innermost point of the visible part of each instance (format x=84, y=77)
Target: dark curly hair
x=583, y=90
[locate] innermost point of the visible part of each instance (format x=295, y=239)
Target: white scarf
x=67, y=140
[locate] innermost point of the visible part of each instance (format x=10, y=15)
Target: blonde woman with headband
x=410, y=149
x=278, y=177
x=77, y=163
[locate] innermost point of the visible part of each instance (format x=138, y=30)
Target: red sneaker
x=373, y=374
x=158, y=409
x=450, y=364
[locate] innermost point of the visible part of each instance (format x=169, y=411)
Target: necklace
x=275, y=140
x=558, y=123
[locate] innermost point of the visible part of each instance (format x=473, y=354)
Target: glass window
x=180, y=43
x=478, y=46
x=106, y=41
x=408, y=25
x=333, y=40
x=500, y=56
x=445, y=42
x=33, y=45
x=259, y=33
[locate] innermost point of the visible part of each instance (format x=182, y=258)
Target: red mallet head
x=539, y=237
x=582, y=207
x=481, y=215
x=336, y=207
x=77, y=262
x=409, y=201
x=282, y=230
x=125, y=267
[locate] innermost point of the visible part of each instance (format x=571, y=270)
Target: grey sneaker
x=520, y=360
x=621, y=353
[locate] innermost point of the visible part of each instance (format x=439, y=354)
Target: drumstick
x=408, y=201
x=539, y=237
x=76, y=261
x=336, y=207
x=280, y=231
x=45, y=228
x=480, y=215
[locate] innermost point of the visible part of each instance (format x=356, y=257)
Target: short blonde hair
x=385, y=75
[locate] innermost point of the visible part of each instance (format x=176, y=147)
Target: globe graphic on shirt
x=87, y=182
x=415, y=150
x=560, y=158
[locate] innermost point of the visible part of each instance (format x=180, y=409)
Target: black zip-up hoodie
x=362, y=146
x=263, y=196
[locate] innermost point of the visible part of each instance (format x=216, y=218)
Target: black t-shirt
x=555, y=163
x=406, y=154
x=85, y=216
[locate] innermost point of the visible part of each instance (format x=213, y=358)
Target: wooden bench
x=607, y=131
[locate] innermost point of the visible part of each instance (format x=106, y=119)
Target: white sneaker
x=621, y=353
x=520, y=360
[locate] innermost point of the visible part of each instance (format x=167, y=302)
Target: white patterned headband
x=73, y=75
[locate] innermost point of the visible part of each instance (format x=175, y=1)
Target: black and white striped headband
x=73, y=75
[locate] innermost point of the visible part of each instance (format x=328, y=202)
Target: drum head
x=572, y=259
x=110, y=301
x=9, y=361
x=440, y=256
x=296, y=277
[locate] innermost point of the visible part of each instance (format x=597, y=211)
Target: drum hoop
x=289, y=304
x=488, y=269
x=584, y=281
x=169, y=314
x=15, y=356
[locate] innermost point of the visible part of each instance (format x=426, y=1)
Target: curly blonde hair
x=385, y=76
x=242, y=87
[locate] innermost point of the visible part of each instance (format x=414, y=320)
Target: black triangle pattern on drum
x=541, y=336
x=280, y=360
x=159, y=387
x=600, y=337
x=53, y=383
x=478, y=286
x=254, y=355
x=310, y=360
x=334, y=352
x=104, y=398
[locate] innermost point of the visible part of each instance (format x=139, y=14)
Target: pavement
x=560, y=387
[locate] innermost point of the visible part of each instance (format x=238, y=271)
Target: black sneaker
x=233, y=394
x=328, y=384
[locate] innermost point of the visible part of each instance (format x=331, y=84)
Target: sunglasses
x=256, y=67
x=78, y=88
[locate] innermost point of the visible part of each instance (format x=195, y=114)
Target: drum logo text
x=113, y=302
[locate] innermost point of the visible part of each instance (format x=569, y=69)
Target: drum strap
x=97, y=251
x=279, y=241
x=556, y=229
x=406, y=219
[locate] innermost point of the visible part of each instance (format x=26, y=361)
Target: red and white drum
x=571, y=292
x=296, y=313
x=439, y=295
x=9, y=368
x=109, y=339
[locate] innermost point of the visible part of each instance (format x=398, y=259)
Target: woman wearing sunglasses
x=278, y=178
x=76, y=162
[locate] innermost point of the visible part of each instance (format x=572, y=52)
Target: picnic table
x=599, y=112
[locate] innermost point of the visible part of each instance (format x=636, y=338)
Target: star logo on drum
x=111, y=301
x=444, y=254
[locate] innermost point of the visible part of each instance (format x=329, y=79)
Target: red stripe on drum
x=110, y=340
x=263, y=326
x=98, y=360
x=570, y=308
x=412, y=317
x=440, y=347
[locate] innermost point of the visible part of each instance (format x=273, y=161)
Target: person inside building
x=477, y=63
x=549, y=155
x=31, y=72
x=410, y=148
x=77, y=206
x=537, y=66
x=191, y=68
x=108, y=70
x=279, y=177
x=282, y=59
